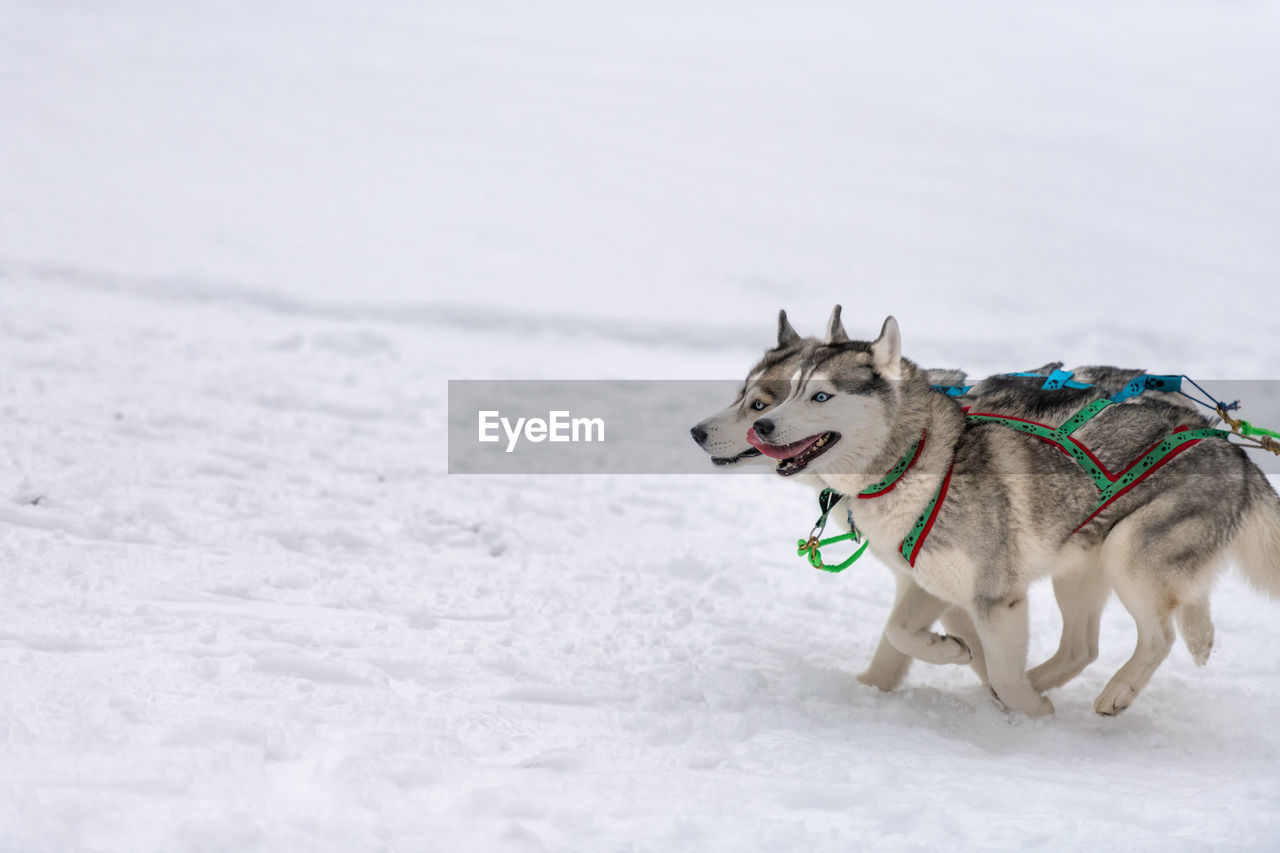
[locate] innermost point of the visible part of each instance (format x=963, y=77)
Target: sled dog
x=1081, y=595
x=724, y=436
x=984, y=509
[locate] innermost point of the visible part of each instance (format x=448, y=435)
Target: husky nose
x=699, y=434
x=763, y=427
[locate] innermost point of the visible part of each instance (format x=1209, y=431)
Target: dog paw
x=1114, y=699
x=1043, y=677
x=878, y=680
x=1043, y=708
x=1032, y=704
x=1200, y=644
x=1052, y=673
x=1200, y=653
x=1060, y=669
x=952, y=649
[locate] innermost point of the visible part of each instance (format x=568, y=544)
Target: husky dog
x=983, y=510
x=1081, y=595
x=724, y=436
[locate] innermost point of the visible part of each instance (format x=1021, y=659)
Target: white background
x=243, y=245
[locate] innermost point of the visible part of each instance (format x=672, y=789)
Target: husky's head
x=724, y=434
x=842, y=403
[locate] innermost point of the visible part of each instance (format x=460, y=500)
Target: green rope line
x=809, y=548
x=1260, y=436
x=1247, y=428
x=827, y=501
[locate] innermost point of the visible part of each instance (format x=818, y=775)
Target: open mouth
x=795, y=457
x=729, y=460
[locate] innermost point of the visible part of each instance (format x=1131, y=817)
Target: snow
x=243, y=247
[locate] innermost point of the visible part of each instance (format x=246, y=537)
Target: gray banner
x=643, y=427
x=581, y=427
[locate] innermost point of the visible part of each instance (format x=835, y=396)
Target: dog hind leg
x=1153, y=615
x=1082, y=595
x=1162, y=559
x=1196, y=628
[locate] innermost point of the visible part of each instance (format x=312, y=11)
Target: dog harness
x=1110, y=485
x=828, y=498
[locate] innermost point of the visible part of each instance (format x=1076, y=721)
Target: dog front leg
x=908, y=629
x=907, y=636
x=888, y=665
x=1003, y=628
x=956, y=620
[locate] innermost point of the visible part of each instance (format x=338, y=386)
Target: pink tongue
x=776, y=451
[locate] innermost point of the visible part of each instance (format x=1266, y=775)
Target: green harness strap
x=911, y=544
x=1151, y=460
x=1058, y=437
x=1109, y=486
x=896, y=473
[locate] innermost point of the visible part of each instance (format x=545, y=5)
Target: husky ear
x=787, y=335
x=835, y=329
x=887, y=349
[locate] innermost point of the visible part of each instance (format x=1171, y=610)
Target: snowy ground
x=243, y=248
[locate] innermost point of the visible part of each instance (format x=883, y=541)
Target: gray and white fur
x=1014, y=504
x=723, y=435
x=908, y=634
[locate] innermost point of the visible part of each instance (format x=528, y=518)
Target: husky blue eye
x=821, y=397
x=758, y=405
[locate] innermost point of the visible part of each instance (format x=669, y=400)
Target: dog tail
x=1257, y=544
